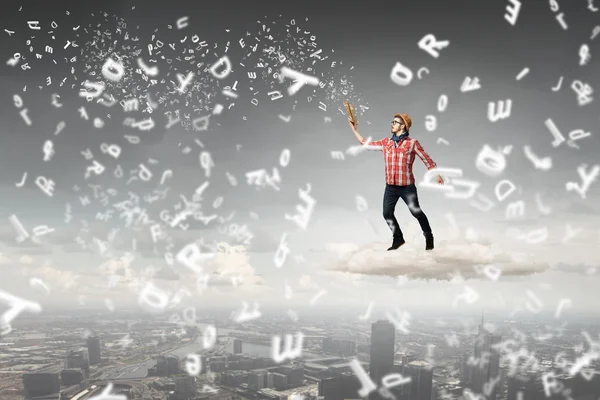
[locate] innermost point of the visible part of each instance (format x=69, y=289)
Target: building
x=235, y=378
x=339, y=346
x=484, y=366
x=219, y=359
x=519, y=387
x=164, y=385
x=408, y=358
x=269, y=381
x=237, y=346
x=350, y=385
x=41, y=383
x=280, y=381
x=294, y=373
x=330, y=388
x=420, y=386
x=220, y=366
x=343, y=386
x=316, y=371
x=69, y=377
x=270, y=394
x=581, y=388
x=383, y=336
x=465, y=370
x=327, y=344
x=203, y=364
x=258, y=362
x=256, y=380
x=161, y=368
x=185, y=387
x=93, y=346
x=165, y=366
x=172, y=364
x=246, y=364
x=78, y=359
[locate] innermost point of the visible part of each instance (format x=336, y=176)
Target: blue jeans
x=409, y=195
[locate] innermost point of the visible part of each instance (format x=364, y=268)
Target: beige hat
x=407, y=121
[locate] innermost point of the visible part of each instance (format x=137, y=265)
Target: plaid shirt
x=399, y=159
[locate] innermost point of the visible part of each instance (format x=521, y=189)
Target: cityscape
x=154, y=357
x=198, y=200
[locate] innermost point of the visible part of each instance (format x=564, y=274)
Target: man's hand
x=440, y=180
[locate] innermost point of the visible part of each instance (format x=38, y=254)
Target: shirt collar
x=398, y=139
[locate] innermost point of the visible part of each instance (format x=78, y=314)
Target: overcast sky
x=353, y=52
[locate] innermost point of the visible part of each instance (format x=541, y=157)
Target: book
x=351, y=112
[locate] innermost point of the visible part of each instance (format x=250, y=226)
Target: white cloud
x=5, y=260
x=343, y=278
x=26, y=260
x=447, y=259
x=54, y=278
x=306, y=282
x=233, y=262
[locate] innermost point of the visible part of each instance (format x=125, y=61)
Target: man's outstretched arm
x=374, y=145
x=429, y=163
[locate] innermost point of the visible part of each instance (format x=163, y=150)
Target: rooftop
x=420, y=363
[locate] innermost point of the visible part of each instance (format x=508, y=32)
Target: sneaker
x=429, y=242
x=396, y=243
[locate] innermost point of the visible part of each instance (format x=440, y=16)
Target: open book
x=351, y=112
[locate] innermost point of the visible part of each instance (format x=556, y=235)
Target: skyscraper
x=485, y=363
x=70, y=377
x=522, y=387
x=330, y=388
x=93, y=345
x=41, y=383
x=237, y=346
x=421, y=381
x=78, y=359
x=383, y=337
x=582, y=388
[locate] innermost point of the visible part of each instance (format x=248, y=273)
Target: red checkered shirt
x=399, y=159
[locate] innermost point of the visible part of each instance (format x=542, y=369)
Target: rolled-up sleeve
x=376, y=145
x=429, y=163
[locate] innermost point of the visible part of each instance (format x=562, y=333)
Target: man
x=399, y=154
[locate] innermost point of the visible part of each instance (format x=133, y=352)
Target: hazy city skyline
x=443, y=357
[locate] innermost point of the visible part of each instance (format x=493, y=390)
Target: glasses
x=396, y=122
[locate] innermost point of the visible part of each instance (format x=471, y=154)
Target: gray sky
x=343, y=248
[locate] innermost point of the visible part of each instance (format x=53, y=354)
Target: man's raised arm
x=376, y=145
